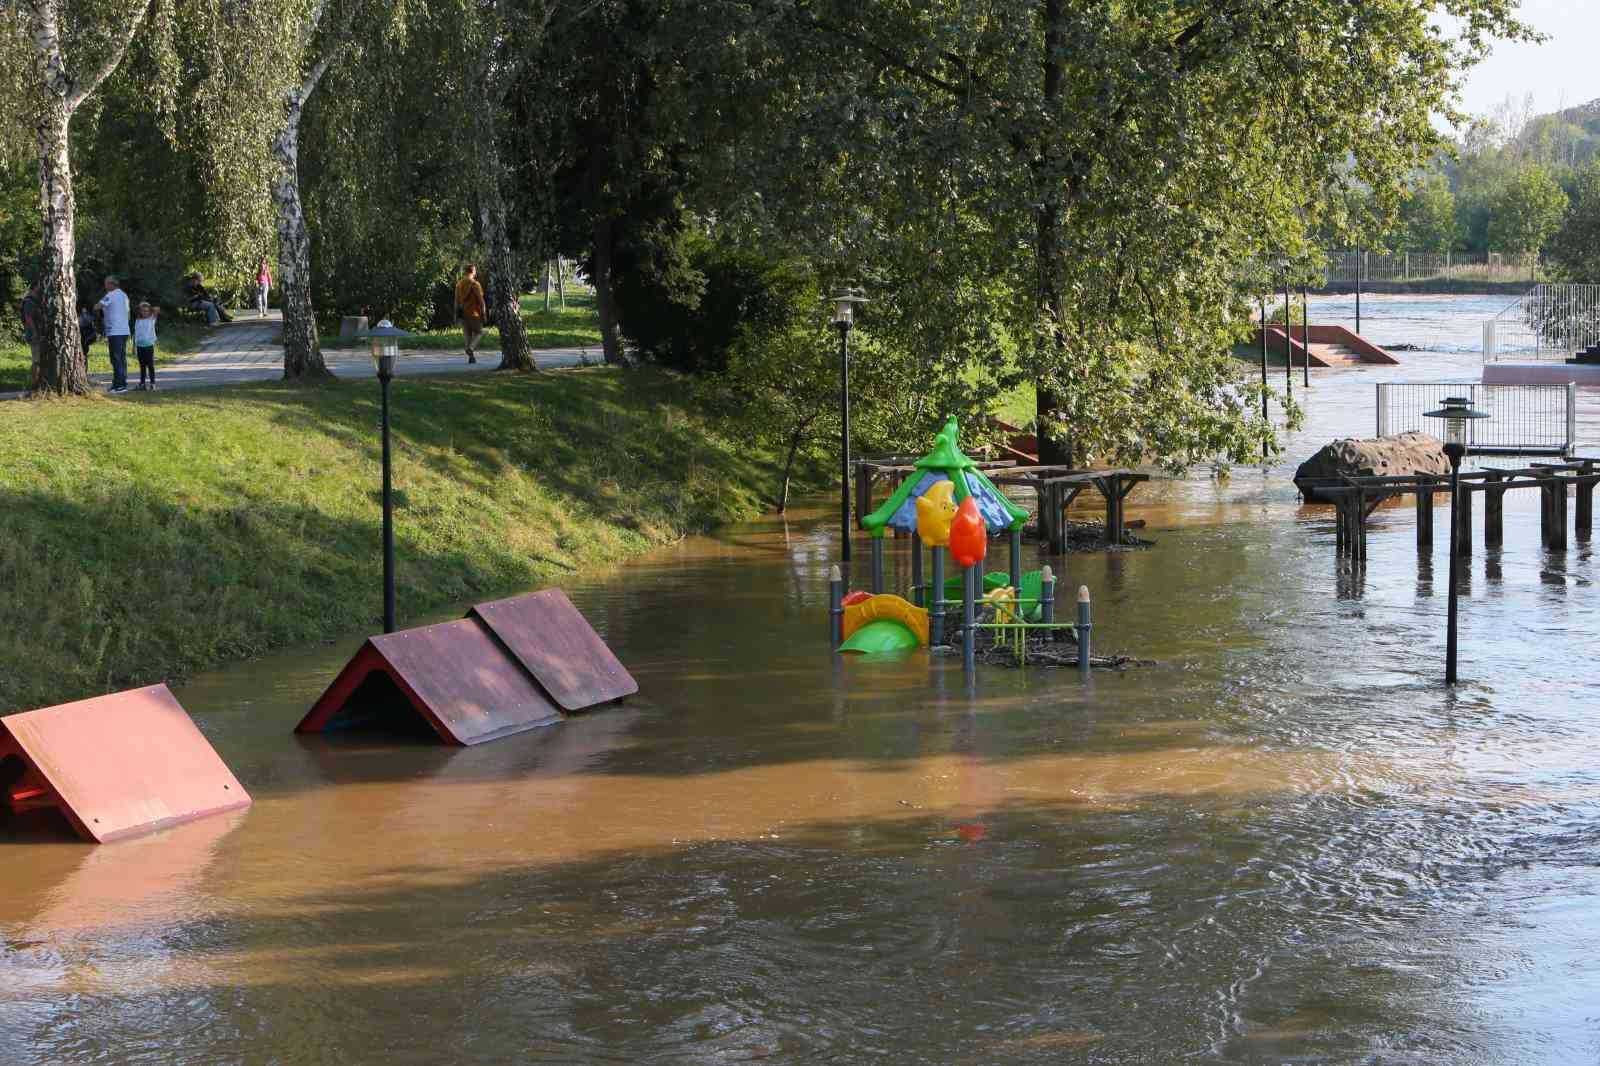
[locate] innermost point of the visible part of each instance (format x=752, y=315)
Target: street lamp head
x=844, y=300
x=384, y=339
x=1457, y=412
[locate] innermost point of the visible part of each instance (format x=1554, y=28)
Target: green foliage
x=241, y=520
x=1575, y=249
x=686, y=301
x=1429, y=216
x=1527, y=212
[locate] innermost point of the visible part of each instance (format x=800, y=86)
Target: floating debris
x=1091, y=536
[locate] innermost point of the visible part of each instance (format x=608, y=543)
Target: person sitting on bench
x=200, y=299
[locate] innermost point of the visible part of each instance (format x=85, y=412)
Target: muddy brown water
x=1284, y=843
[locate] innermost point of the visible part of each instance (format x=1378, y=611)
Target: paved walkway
x=250, y=349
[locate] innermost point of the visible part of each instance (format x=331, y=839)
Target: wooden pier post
x=1049, y=517
x=1493, y=511
x=1553, y=512
x=1464, y=531
x=1583, y=520
x=1425, y=516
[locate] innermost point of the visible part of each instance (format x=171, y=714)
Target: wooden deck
x=1356, y=498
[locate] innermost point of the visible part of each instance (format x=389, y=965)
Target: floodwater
x=1285, y=842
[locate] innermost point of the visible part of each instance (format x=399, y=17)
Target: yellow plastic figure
x=936, y=509
x=1004, y=602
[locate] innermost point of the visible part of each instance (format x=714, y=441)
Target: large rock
x=1402, y=453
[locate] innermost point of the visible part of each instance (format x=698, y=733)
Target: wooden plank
x=122, y=764
x=552, y=639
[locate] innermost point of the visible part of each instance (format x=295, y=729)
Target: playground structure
x=950, y=506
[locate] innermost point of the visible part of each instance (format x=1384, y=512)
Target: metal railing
x=1550, y=323
x=1523, y=419
x=1351, y=265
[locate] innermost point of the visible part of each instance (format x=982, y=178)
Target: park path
x=250, y=349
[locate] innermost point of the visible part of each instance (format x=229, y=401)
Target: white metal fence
x=1352, y=265
x=1552, y=322
x=1523, y=419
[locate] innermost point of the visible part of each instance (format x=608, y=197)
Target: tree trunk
x=561, y=282
x=1054, y=447
x=59, y=369
x=605, y=230
x=302, y=351
x=547, y=268
x=505, y=310
x=795, y=439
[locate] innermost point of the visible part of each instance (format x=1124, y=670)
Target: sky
x=1562, y=72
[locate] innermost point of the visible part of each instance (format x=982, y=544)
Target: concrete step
x=1336, y=354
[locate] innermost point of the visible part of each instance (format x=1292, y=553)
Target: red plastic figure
x=969, y=541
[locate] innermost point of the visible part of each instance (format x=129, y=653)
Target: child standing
x=144, y=344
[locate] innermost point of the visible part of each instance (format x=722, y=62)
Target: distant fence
x=1523, y=419
x=1351, y=265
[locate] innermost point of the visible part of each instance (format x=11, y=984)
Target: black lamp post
x=1288, y=332
x=385, y=340
x=844, y=303
x=1457, y=412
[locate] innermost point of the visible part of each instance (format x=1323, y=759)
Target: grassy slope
x=155, y=536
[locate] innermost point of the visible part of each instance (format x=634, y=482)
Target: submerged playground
x=1284, y=840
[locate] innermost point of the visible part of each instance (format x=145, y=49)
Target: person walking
x=144, y=344
x=470, y=307
x=263, y=287
x=32, y=323
x=113, y=308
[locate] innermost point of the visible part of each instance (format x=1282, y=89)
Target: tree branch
x=119, y=47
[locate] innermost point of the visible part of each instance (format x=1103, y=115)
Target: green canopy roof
x=947, y=460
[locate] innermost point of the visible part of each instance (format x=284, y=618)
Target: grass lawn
x=151, y=537
x=174, y=337
x=577, y=326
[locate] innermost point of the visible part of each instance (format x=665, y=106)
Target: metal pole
x=1305, y=333
x=1454, y=451
x=1016, y=560
x=388, y=514
x=835, y=606
x=877, y=566
x=1047, y=601
x=969, y=631
x=844, y=436
x=1361, y=258
x=1264, y=415
x=1288, y=341
x=936, y=599
x=916, y=569
x=1085, y=629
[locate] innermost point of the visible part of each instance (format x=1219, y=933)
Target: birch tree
x=263, y=61
x=59, y=53
x=512, y=38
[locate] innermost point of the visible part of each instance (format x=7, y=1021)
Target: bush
x=685, y=304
